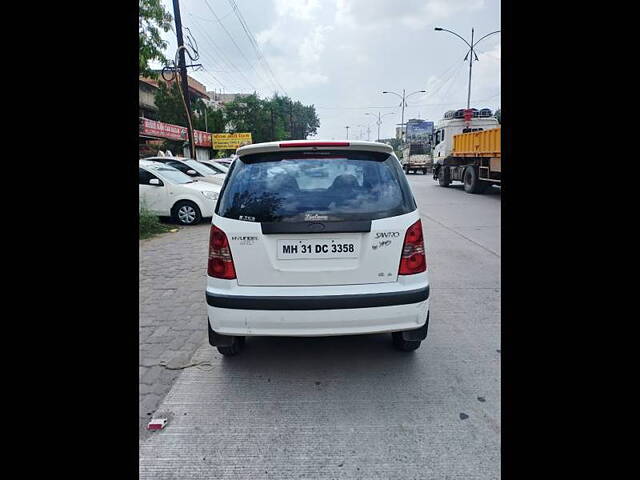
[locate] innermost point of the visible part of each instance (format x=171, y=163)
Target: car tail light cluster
x=413, y=258
x=220, y=261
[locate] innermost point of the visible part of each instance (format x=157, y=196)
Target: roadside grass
x=150, y=225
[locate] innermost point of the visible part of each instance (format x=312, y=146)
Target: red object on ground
x=157, y=424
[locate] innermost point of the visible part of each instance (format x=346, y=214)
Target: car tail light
x=313, y=144
x=413, y=258
x=220, y=261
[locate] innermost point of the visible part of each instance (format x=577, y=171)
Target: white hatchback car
x=196, y=170
x=168, y=192
x=316, y=238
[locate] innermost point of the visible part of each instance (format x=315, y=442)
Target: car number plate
x=319, y=248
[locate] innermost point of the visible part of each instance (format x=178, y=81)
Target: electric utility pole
x=183, y=75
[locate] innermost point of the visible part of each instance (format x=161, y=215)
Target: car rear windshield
x=315, y=186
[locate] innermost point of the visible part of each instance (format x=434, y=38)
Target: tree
x=152, y=18
x=170, y=105
x=498, y=116
x=277, y=118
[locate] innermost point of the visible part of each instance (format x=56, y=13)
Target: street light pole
x=347, y=127
x=471, y=54
x=404, y=102
x=379, y=121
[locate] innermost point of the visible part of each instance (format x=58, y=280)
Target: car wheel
x=187, y=213
x=472, y=184
x=237, y=344
x=404, y=345
x=444, y=176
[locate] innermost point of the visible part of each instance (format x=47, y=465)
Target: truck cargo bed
x=484, y=143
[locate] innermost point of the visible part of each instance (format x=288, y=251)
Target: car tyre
x=472, y=184
x=404, y=345
x=187, y=213
x=444, y=176
x=235, y=348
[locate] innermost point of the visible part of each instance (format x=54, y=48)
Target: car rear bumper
x=317, y=315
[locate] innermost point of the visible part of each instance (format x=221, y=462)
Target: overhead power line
x=254, y=44
x=227, y=61
x=234, y=43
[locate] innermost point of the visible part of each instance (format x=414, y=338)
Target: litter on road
x=157, y=424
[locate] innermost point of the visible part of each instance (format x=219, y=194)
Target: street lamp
x=471, y=51
x=368, y=131
x=404, y=103
x=379, y=121
x=347, y=127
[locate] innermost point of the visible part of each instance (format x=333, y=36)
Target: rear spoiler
x=318, y=145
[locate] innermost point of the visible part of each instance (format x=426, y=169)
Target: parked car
x=224, y=161
x=216, y=166
x=192, y=168
x=168, y=192
x=295, y=253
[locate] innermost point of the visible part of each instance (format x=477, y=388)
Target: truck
x=416, y=156
x=468, y=151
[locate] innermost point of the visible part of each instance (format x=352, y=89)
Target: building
x=400, y=132
x=217, y=99
x=147, y=88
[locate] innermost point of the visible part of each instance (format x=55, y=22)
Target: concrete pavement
x=353, y=407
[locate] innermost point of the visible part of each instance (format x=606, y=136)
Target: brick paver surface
x=172, y=309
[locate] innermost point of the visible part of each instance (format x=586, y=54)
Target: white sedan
x=167, y=192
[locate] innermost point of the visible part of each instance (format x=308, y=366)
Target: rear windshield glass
x=315, y=186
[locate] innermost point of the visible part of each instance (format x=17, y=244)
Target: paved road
x=352, y=407
x=172, y=312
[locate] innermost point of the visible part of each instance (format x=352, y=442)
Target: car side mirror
x=192, y=172
x=155, y=181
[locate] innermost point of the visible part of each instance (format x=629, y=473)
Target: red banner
x=173, y=132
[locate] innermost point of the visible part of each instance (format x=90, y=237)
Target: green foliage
x=214, y=123
x=498, y=116
x=276, y=118
x=150, y=224
x=270, y=119
x=170, y=105
x=152, y=18
x=396, y=144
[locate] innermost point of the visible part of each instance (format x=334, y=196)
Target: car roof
x=302, y=145
x=145, y=162
x=162, y=159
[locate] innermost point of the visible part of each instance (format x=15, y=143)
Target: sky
x=339, y=55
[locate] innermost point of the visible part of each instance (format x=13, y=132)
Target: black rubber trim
x=324, y=302
x=316, y=227
x=416, y=334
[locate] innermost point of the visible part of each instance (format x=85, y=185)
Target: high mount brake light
x=413, y=259
x=220, y=263
x=313, y=144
